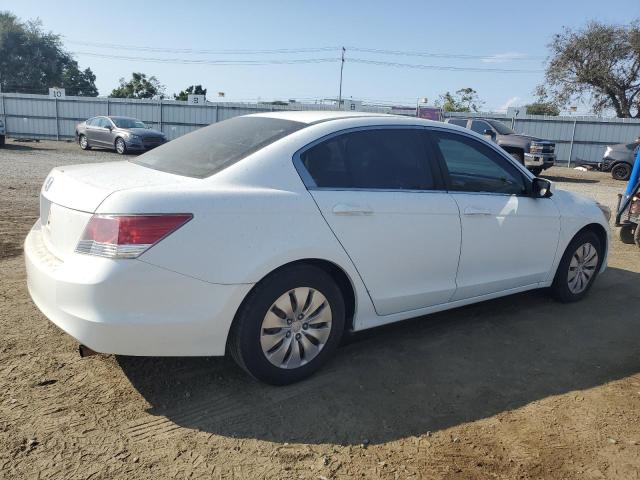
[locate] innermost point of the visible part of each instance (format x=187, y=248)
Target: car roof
x=120, y=117
x=315, y=116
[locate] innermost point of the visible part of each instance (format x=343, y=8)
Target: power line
x=441, y=67
x=203, y=51
x=459, y=56
x=210, y=62
x=184, y=61
x=406, y=53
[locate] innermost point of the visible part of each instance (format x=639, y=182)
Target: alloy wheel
x=296, y=328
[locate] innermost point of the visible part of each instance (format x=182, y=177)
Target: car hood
x=143, y=132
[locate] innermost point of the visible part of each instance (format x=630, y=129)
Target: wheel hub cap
x=296, y=328
x=582, y=268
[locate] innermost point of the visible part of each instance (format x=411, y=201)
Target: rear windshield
x=212, y=149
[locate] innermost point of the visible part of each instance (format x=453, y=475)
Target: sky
x=468, y=35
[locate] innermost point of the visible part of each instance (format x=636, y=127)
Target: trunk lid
x=70, y=195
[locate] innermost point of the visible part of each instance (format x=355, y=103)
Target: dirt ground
x=520, y=387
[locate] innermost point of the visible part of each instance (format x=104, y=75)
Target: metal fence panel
x=38, y=116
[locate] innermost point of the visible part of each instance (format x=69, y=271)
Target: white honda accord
x=267, y=236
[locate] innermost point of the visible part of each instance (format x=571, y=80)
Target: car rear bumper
x=543, y=160
x=130, y=307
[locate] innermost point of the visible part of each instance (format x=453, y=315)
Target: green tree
x=599, y=63
x=77, y=82
x=139, y=87
x=463, y=100
x=543, y=108
x=32, y=60
x=191, y=90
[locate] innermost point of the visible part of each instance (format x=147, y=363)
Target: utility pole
x=341, y=68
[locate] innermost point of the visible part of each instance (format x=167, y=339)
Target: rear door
x=379, y=194
x=509, y=239
x=92, y=130
x=103, y=132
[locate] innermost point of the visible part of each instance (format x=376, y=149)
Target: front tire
x=578, y=268
x=83, y=142
x=121, y=147
x=289, y=325
x=621, y=171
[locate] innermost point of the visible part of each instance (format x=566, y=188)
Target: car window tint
x=475, y=167
x=370, y=159
x=211, y=149
x=479, y=126
x=459, y=122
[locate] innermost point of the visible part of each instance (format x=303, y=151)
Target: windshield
x=501, y=128
x=212, y=149
x=128, y=123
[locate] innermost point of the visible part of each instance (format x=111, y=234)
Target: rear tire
x=578, y=268
x=621, y=171
x=536, y=170
x=120, y=146
x=282, y=347
x=627, y=233
x=1, y=140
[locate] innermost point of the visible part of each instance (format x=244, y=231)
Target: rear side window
x=459, y=122
x=211, y=149
x=390, y=159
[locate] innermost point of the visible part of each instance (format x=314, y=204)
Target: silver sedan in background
x=123, y=134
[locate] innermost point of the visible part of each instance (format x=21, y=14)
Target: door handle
x=476, y=211
x=345, y=209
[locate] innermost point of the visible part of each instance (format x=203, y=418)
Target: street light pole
x=341, y=68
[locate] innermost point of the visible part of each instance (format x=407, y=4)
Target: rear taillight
x=127, y=236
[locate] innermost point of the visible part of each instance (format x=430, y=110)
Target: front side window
x=479, y=126
x=104, y=122
x=389, y=159
x=128, y=123
x=475, y=167
x=93, y=122
x=501, y=128
x=211, y=149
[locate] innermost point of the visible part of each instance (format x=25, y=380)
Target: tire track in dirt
x=224, y=408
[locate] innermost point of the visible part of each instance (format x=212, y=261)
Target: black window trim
x=525, y=174
x=433, y=167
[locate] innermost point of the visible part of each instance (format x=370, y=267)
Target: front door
x=378, y=193
x=509, y=239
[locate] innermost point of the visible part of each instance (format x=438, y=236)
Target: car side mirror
x=542, y=188
x=490, y=134
x=109, y=127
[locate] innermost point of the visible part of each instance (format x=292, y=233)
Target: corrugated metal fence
x=38, y=116
x=581, y=139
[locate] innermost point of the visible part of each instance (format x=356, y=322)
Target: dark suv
x=534, y=153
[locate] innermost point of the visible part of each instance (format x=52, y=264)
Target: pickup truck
x=534, y=153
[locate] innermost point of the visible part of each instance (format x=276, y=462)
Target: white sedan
x=267, y=236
